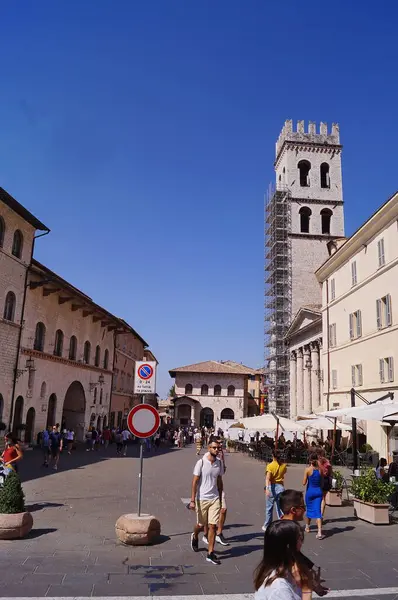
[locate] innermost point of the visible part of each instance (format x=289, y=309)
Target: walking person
x=94, y=439
x=12, y=453
x=206, y=493
x=70, y=436
x=119, y=442
x=55, y=445
x=45, y=446
x=106, y=436
x=325, y=469
x=314, y=494
x=274, y=486
x=125, y=438
x=198, y=441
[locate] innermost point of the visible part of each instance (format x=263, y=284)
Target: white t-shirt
x=280, y=589
x=125, y=435
x=208, y=473
x=70, y=436
x=198, y=437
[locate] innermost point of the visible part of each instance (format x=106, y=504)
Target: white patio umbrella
x=385, y=410
x=269, y=422
x=323, y=423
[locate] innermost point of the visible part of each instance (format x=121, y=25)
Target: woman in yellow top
x=274, y=486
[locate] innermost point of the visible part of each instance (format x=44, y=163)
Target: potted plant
x=15, y=522
x=371, y=497
x=334, y=497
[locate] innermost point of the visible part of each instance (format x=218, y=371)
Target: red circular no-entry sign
x=143, y=420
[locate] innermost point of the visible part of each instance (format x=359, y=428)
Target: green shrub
x=337, y=475
x=368, y=488
x=366, y=448
x=12, y=498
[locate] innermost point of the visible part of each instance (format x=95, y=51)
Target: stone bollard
x=137, y=531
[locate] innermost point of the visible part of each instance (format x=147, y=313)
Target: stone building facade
x=360, y=320
x=211, y=391
x=17, y=231
x=304, y=340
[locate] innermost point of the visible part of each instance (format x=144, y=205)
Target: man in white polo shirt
x=206, y=495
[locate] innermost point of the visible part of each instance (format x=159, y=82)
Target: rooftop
x=214, y=366
x=9, y=201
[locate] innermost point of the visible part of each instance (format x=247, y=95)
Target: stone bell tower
x=303, y=213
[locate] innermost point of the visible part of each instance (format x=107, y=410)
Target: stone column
x=293, y=385
x=315, y=376
x=299, y=384
x=307, y=381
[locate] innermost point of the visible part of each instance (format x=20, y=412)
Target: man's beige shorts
x=208, y=511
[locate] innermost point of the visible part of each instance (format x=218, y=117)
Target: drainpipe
x=14, y=383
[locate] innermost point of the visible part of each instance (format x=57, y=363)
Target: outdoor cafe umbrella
x=323, y=423
x=271, y=422
x=380, y=411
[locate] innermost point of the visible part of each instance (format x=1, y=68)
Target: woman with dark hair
x=382, y=470
x=278, y=577
x=314, y=494
x=326, y=471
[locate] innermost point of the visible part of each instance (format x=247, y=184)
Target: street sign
x=143, y=421
x=145, y=377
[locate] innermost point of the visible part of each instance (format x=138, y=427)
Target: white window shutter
x=378, y=312
x=381, y=369
x=353, y=376
x=360, y=376
x=351, y=326
x=334, y=335
x=359, y=323
x=390, y=369
x=388, y=310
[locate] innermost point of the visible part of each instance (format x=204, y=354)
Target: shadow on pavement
x=40, y=505
x=340, y=520
x=35, y=533
x=31, y=466
x=236, y=551
x=246, y=537
x=336, y=530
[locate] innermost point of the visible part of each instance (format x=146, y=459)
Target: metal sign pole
x=141, y=468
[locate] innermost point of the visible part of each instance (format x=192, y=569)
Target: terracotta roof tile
x=214, y=366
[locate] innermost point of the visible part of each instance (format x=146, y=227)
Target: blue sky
x=142, y=133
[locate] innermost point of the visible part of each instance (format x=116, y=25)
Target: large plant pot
x=15, y=526
x=334, y=498
x=372, y=513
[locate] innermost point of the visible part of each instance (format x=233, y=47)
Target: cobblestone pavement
x=72, y=550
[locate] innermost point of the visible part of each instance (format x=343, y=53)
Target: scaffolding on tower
x=278, y=297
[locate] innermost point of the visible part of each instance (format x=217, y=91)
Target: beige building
x=304, y=339
x=212, y=391
x=360, y=316
x=17, y=234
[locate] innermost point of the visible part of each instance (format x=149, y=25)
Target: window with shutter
x=381, y=370
x=351, y=316
x=332, y=289
x=359, y=323
x=353, y=273
x=334, y=379
x=378, y=312
x=380, y=250
x=388, y=311
x=353, y=382
x=390, y=361
x=360, y=376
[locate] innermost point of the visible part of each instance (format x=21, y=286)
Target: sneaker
x=221, y=540
x=213, y=559
x=205, y=540
x=263, y=528
x=194, y=543
x=55, y=468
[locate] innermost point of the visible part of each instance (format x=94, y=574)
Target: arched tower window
x=17, y=244
x=87, y=352
x=106, y=359
x=59, y=343
x=325, y=177
x=326, y=217
x=204, y=390
x=9, y=307
x=304, y=168
x=72, y=348
x=97, y=356
x=217, y=390
x=231, y=390
x=40, y=335
x=188, y=388
x=305, y=214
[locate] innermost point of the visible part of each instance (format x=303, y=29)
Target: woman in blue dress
x=313, y=496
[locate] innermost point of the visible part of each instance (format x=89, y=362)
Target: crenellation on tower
x=311, y=136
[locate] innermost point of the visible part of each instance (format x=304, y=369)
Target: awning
x=386, y=410
x=323, y=423
x=269, y=422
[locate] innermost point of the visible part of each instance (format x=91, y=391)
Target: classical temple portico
x=305, y=379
